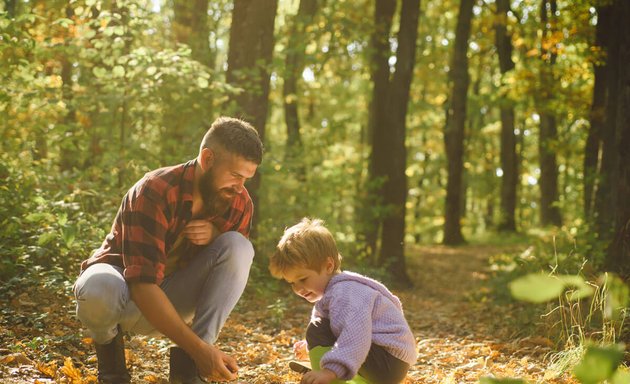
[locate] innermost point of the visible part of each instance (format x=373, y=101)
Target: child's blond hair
x=307, y=244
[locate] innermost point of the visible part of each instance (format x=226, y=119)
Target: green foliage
x=599, y=364
x=44, y=228
x=539, y=288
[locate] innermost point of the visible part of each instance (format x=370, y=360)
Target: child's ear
x=330, y=265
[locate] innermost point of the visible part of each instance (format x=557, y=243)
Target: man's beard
x=216, y=201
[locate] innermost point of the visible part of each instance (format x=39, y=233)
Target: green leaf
x=582, y=289
x=64, y=22
x=598, y=364
x=536, y=288
x=118, y=71
x=99, y=72
x=621, y=377
x=202, y=83
x=492, y=380
x=45, y=238
x=617, y=296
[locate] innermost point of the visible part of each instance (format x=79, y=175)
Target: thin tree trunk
x=593, y=146
x=392, y=254
x=371, y=221
x=549, y=210
x=249, y=58
x=509, y=158
x=454, y=131
x=294, y=65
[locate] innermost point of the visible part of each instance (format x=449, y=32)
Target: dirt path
x=459, y=339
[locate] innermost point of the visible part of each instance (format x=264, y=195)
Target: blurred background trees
x=398, y=122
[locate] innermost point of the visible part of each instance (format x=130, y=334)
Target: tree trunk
x=454, y=131
x=370, y=220
x=392, y=254
x=249, y=57
x=10, y=6
x=190, y=27
x=509, y=158
x=294, y=65
x=618, y=255
x=593, y=146
x=549, y=210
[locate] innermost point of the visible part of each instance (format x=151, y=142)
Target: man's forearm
x=158, y=310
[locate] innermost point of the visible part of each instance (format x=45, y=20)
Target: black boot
x=182, y=368
x=112, y=368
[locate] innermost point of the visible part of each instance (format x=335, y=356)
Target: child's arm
x=318, y=377
x=351, y=315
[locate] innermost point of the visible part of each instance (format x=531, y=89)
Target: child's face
x=308, y=283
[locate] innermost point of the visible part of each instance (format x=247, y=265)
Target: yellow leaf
x=151, y=379
x=47, y=369
x=70, y=371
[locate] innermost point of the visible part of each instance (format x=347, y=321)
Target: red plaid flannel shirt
x=150, y=219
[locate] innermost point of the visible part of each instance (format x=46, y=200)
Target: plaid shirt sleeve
x=144, y=226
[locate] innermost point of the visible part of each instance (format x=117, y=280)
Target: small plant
x=594, y=356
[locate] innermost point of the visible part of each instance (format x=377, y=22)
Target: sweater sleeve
x=351, y=319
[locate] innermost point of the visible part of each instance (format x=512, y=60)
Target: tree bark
x=249, y=57
x=377, y=130
x=593, y=146
x=190, y=27
x=454, y=131
x=509, y=158
x=392, y=255
x=294, y=65
x=618, y=255
x=549, y=210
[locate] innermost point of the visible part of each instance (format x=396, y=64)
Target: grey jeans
x=205, y=292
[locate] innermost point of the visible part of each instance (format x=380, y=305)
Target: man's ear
x=206, y=158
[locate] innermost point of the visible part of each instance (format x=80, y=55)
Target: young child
x=358, y=317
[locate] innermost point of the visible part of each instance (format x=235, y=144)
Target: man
x=178, y=251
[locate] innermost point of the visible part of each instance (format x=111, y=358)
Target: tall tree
x=617, y=142
x=189, y=27
x=249, y=57
x=549, y=210
x=392, y=138
x=509, y=158
x=454, y=130
x=593, y=146
x=294, y=65
x=379, y=72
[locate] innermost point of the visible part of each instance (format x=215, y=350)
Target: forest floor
x=461, y=337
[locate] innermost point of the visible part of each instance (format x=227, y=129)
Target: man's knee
x=236, y=247
x=101, y=293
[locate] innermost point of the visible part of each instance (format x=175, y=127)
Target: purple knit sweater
x=362, y=311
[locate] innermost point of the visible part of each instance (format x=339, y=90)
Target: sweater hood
x=351, y=276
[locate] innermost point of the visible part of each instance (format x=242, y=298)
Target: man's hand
x=319, y=377
x=200, y=232
x=215, y=365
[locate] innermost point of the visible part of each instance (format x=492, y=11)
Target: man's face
x=224, y=179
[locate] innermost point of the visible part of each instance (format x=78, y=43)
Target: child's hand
x=300, y=350
x=319, y=377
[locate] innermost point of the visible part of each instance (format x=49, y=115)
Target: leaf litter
x=459, y=339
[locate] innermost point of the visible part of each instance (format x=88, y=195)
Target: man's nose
x=239, y=185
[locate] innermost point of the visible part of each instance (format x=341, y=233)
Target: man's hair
x=235, y=136
x=307, y=244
